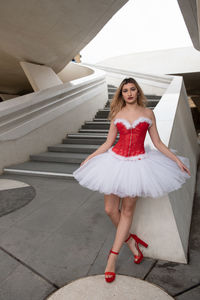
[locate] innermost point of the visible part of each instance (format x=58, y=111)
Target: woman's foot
x=133, y=242
x=110, y=267
x=132, y=246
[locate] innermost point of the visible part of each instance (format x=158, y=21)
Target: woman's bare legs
x=123, y=227
x=112, y=203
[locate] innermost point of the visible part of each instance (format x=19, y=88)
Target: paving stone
x=7, y=265
x=23, y=284
x=69, y=252
x=47, y=190
x=23, y=238
x=22, y=242
x=54, y=212
x=13, y=199
x=193, y=294
x=78, y=244
x=175, y=277
x=125, y=264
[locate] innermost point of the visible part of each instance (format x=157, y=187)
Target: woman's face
x=129, y=92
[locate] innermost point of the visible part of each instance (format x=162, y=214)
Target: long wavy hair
x=118, y=101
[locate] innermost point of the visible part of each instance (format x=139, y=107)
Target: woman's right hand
x=183, y=167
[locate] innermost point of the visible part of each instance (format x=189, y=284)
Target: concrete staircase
x=62, y=159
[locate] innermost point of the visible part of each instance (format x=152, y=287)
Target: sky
x=140, y=25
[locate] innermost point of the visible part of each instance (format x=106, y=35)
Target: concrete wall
x=29, y=124
x=164, y=222
x=19, y=150
x=74, y=71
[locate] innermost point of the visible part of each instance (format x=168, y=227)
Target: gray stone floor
x=63, y=234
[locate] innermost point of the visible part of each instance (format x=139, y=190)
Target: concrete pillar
x=40, y=77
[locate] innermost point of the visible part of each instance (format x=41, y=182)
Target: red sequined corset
x=131, y=142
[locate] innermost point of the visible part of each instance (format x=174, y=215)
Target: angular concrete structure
x=191, y=13
x=49, y=33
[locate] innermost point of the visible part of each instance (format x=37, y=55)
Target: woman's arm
x=112, y=133
x=153, y=132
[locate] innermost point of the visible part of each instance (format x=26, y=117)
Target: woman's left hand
x=183, y=167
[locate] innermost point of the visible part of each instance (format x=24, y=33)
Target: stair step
x=59, y=157
x=100, y=120
x=93, y=130
x=87, y=135
x=102, y=114
x=62, y=160
x=104, y=109
x=96, y=125
x=44, y=169
x=150, y=103
x=153, y=97
x=84, y=141
x=73, y=148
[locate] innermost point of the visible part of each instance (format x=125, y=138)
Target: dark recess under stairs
x=62, y=159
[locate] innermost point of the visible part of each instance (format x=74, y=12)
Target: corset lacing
x=130, y=145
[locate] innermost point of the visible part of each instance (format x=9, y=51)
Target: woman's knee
x=110, y=210
x=111, y=205
x=127, y=211
x=128, y=207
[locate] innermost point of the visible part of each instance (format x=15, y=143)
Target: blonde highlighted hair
x=118, y=101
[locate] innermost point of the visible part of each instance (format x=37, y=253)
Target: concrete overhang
x=191, y=13
x=49, y=33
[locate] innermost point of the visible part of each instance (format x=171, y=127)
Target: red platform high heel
x=137, y=258
x=110, y=279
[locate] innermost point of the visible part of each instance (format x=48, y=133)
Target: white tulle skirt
x=153, y=175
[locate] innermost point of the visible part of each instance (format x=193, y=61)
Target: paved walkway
x=63, y=234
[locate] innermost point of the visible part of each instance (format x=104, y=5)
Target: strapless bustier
x=132, y=136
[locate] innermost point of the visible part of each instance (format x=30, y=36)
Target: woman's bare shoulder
x=118, y=115
x=148, y=112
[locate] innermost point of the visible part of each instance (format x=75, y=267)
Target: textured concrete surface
x=14, y=195
x=6, y=184
x=64, y=234
x=19, y=282
x=47, y=33
x=124, y=287
x=177, y=278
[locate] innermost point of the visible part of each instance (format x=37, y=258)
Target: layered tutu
x=151, y=174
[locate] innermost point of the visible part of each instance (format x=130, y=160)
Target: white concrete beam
x=40, y=77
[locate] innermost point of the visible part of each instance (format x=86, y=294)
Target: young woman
x=128, y=170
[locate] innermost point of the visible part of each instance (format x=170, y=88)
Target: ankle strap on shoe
x=111, y=251
x=128, y=238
